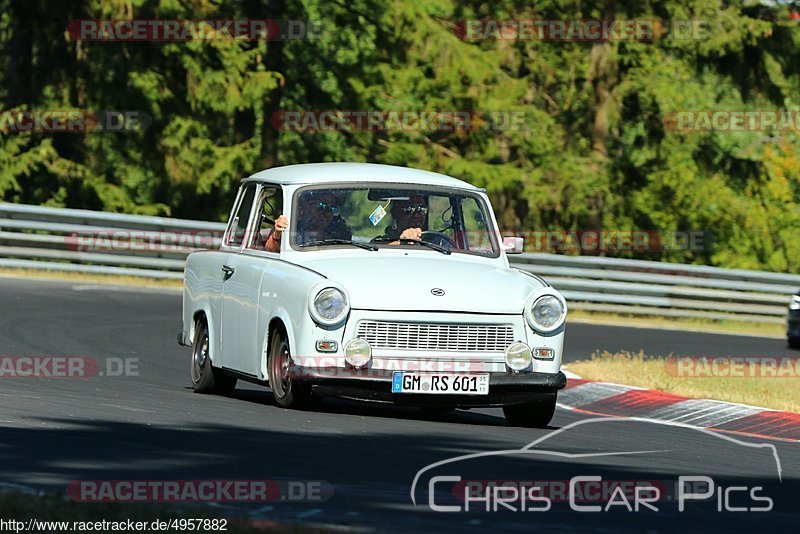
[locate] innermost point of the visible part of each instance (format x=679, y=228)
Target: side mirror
x=513, y=245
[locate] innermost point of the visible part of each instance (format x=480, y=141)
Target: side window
x=238, y=224
x=440, y=215
x=269, y=208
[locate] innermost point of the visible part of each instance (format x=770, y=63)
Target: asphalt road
x=151, y=426
x=583, y=339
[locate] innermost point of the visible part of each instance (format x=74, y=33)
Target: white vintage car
x=390, y=284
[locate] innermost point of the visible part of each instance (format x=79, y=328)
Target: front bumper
x=376, y=384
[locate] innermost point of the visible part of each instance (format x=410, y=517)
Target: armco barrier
x=35, y=237
x=667, y=289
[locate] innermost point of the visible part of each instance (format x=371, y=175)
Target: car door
x=240, y=289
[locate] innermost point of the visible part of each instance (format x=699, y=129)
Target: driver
x=408, y=219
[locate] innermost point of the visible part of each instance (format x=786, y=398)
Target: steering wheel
x=437, y=238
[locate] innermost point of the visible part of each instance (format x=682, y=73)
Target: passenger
x=273, y=242
x=318, y=219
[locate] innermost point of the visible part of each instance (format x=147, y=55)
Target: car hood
x=406, y=283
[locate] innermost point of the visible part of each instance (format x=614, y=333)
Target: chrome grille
x=444, y=337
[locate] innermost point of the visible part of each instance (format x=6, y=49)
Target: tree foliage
x=594, y=151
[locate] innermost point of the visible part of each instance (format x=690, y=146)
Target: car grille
x=444, y=337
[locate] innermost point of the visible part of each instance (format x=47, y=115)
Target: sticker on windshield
x=376, y=216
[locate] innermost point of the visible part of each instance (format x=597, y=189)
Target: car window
x=237, y=227
x=269, y=208
x=476, y=235
x=379, y=215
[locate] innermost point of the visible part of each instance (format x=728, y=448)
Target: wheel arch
x=280, y=320
x=204, y=314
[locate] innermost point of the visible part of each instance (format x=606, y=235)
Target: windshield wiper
x=365, y=246
x=433, y=246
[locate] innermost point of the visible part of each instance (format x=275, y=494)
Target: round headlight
x=357, y=352
x=330, y=305
x=518, y=356
x=547, y=313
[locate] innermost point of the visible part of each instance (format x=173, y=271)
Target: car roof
x=320, y=173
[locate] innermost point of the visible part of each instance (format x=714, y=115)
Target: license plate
x=433, y=383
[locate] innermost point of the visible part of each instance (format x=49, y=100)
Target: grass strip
x=767, y=382
x=117, y=280
x=722, y=326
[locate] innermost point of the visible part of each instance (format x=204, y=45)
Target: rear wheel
x=288, y=393
x=205, y=377
x=534, y=414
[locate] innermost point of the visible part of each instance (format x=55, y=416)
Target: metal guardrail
x=666, y=289
x=35, y=237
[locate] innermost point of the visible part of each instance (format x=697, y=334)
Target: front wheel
x=534, y=414
x=288, y=393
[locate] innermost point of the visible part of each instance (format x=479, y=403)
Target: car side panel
x=202, y=291
x=241, y=295
x=282, y=293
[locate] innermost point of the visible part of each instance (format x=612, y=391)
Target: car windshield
x=383, y=215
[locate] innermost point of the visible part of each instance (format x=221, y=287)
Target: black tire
x=794, y=342
x=205, y=377
x=288, y=393
x=534, y=414
x=224, y=384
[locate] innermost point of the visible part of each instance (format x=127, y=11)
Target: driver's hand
x=412, y=233
x=281, y=224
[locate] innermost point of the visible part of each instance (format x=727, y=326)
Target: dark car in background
x=793, y=323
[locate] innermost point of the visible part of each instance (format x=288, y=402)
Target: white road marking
x=590, y=392
x=131, y=289
x=702, y=413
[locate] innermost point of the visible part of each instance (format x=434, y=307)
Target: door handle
x=228, y=270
